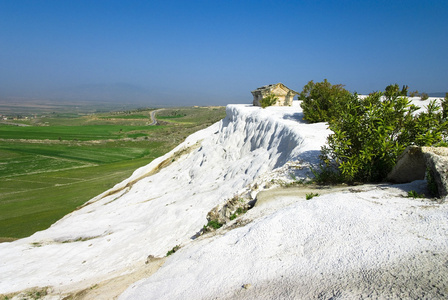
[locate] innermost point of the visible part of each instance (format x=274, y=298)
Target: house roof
x=272, y=86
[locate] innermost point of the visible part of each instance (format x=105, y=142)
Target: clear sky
x=217, y=51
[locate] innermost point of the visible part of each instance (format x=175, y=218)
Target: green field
x=57, y=163
x=80, y=133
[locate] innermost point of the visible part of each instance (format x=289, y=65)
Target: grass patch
x=30, y=203
x=191, y=115
x=32, y=293
x=414, y=194
x=212, y=224
x=5, y=240
x=311, y=196
x=239, y=211
x=127, y=117
x=74, y=133
x=170, y=117
x=174, y=250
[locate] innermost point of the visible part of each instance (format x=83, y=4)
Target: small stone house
x=284, y=94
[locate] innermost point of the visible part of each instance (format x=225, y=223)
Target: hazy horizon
x=216, y=52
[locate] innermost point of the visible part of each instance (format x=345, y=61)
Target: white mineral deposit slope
x=368, y=243
x=163, y=204
x=362, y=242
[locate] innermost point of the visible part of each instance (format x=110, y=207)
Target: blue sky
x=216, y=52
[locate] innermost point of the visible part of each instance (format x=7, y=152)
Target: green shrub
x=392, y=91
x=239, y=211
x=428, y=128
x=311, y=195
x=269, y=100
x=404, y=91
x=370, y=133
x=327, y=174
x=214, y=224
x=424, y=96
x=175, y=248
x=414, y=194
x=413, y=94
x=445, y=106
x=322, y=100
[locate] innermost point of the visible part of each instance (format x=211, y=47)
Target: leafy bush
x=428, y=128
x=269, y=100
x=327, y=173
x=370, y=133
x=414, y=94
x=393, y=91
x=404, y=91
x=445, y=106
x=424, y=96
x=214, y=224
x=321, y=100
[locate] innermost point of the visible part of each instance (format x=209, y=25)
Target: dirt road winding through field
x=153, y=116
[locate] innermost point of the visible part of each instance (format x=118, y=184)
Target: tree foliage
x=369, y=133
x=393, y=91
x=321, y=99
x=445, y=106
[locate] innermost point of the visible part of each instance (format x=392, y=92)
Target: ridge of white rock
x=368, y=242
x=162, y=204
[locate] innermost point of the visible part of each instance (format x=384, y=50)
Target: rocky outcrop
x=436, y=160
x=414, y=162
x=410, y=166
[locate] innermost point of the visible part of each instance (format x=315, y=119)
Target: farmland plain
x=60, y=160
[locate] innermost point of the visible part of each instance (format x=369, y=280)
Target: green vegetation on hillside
x=189, y=116
x=58, y=163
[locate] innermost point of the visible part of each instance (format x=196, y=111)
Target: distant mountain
x=116, y=92
x=437, y=94
x=124, y=93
